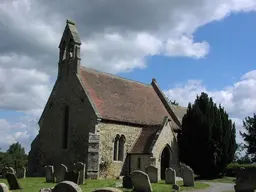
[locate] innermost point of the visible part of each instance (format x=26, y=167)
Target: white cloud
x=238, y=100
x=22, y=132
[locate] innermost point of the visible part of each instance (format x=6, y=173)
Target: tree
x=207, y=138
x=249, y=136
x=14, y=157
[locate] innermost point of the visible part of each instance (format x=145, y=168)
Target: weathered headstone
x=170, y=176
x=45, y=190
x=23, y=172
x=67, y=186
x=13, y=182
x=60, y=175
x=72, y=176
x=188, y=176
x=4, y=187
x=140, y=181
x=127, y=182
x=107, y=189
x=152, y=173
x=80, y=167
x=245, y=179
x=49, y=173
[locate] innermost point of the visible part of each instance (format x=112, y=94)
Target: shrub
x=232, y=167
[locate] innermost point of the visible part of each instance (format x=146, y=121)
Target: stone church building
x=112, y=124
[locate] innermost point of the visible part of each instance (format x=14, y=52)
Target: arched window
x=116, y=144
x=121, y=148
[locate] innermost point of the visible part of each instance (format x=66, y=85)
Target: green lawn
x=34, y=184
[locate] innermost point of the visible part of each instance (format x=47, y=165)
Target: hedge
x=232, y=167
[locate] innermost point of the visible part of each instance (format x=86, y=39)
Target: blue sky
x=188, y=47
x=232, y=54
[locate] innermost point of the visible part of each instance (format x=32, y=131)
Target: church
x=112, y=124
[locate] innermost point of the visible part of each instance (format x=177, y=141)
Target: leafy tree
x=207, y=138
x=15, y=157
x=250, y=136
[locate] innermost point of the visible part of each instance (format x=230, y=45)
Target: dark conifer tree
x=207, y=138
x=250, y=136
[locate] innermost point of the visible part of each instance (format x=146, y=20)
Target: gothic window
x=116, y=141
x=65, y=128
x=121, y=148
x=139, y=163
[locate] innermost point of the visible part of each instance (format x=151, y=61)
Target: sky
x=188, y=46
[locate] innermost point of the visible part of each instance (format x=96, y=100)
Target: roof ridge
x=116, y=76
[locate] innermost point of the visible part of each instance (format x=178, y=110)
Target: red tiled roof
x=145, y=140
x=123, y=100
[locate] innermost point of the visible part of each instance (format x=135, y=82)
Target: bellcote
x=69, y=48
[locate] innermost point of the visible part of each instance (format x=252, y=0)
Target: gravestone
x=245, y=179
x=140, y=181
x=49, y=174
x=67, y=186
x=60, y=175
x=152, y=173
x=12, y=181
x=127, y=182
x=107, y=189
x=72, y=176
x=4, y=187
x=188, y=176
x=80, y=167
x=170, y=176
x=23, y=173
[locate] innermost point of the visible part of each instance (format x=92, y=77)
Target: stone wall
x=165, y=137
x=82, y=120
x=144, y=162
x=108, y=132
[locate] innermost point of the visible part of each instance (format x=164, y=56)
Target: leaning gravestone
x=188, y=176
x=4, y=187
x=127, y=182
x=67, y=186
x=140, y=181
x=13, y=182
x=49, y=174
x=245, y=179
x=170, y=176
x=10, y=170
x=60, y=176
x=72, y=176
x=80, y=167
x=152, y=173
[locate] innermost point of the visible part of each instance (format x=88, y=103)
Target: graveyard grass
x=32, y=184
